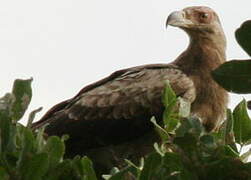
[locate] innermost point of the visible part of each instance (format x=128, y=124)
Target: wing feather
x=124, y=100
x=129, y=94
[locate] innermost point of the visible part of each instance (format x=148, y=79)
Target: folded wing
x=123, y=103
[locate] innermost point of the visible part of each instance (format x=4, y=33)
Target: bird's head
x=195, y=19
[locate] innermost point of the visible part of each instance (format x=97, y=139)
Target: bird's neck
x=204, y=53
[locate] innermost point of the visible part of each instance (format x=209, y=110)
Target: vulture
x=109, y=120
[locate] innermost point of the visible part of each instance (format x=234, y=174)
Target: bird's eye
x=204, y=15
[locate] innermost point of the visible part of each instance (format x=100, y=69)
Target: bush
x=187, y=151
x=26, y=155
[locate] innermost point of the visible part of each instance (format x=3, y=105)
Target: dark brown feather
x=119, y=108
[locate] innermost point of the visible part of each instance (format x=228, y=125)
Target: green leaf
x=5, y=131
x=162, y=132
x=152, y=163
x=36, y=167
x=229, y=151
x=7, y=134
x=243, y=36
x=27, y=148
x=88, y=169
x=32, y=116
x=160, y=149
x=171, y=113
x=169, y=96
x=55, y=149
x=22, y=92
x=78, y=167
x=62, y=172
x=5, y=104
x=171, y=122
x=242, y=123
x=5, y=120
x=40, y=141
x=229, y=124
x=234, y=76
x=226, y=133
x=130, y=163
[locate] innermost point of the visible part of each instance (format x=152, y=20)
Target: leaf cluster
x=189, y=152
x=235, y=75
x=27, y=155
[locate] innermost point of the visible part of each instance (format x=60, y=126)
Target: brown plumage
x=110, y=120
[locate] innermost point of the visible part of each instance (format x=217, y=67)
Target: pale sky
x=67, y=44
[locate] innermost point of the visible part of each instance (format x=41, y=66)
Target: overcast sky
x=67, y=44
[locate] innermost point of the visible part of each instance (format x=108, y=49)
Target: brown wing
x=117, y=108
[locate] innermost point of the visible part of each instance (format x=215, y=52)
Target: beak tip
x=175, y=18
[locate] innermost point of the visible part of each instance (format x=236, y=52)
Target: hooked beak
x=177, y=19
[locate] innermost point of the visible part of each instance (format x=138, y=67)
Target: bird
x=109, y=120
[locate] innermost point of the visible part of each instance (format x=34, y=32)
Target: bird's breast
x=210, y=103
